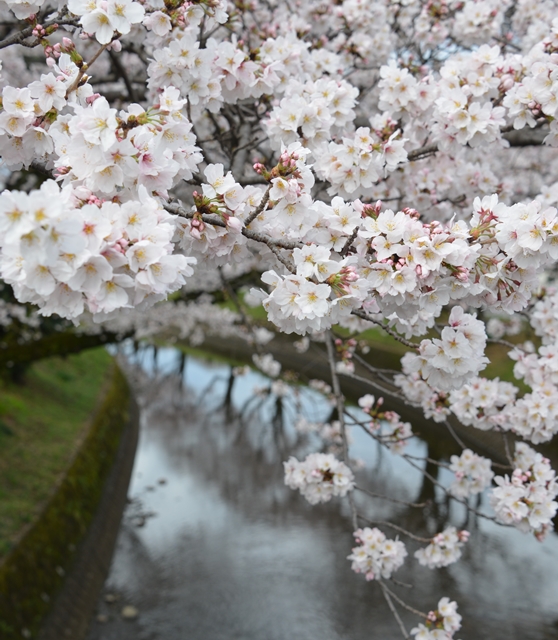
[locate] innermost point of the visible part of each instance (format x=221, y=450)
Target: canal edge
x=75, y=604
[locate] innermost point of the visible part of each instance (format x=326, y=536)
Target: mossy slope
x=53, y=463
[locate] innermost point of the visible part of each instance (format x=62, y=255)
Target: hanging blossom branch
x=105, y=234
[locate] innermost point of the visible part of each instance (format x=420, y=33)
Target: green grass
x=41, y=423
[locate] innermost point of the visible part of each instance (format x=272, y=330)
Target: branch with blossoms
x=275, y=139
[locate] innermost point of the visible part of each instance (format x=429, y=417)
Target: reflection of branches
x=449, y=495
x=382, y=497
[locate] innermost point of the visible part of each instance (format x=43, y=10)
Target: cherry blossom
x=352, y=162
x=319, y=477
x=445, y=548
x=376, y=556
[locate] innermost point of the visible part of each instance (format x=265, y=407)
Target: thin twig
x=84, y=68
x=240, y=152
x=20, y=36
x=404, y=604
x=339, y=401
x=246, y=320
x=393, y=334
x=441, y=486
x=422, y=152
x=377, y=385
x=381, y=373
x=510, y=345
x=454, y=435
x=387, y=597
x=398, y=528
x=284, y=261
x=382, y=497
x=345, y=250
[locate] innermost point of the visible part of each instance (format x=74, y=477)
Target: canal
x=213, y=546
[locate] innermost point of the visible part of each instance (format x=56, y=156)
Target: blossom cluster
x=102, y=19
x=319, y=477
x=440, y=624
x=544, y=317
x=359, y=161
x=267, y=363
x=449, y=361
x=434, y=403
x=473, y=474
x=311, y=112
x=376, y=556
x=117, y=154
x=355, y=154
x=67, y=255
x=527, y=498
x=480, y=402
x=444, y=549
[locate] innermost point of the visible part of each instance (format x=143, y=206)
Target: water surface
x=213, y=546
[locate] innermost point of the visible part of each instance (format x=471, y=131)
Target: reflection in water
x=232, y=554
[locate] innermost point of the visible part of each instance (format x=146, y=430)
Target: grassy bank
x=40, y=425
x=61, y=431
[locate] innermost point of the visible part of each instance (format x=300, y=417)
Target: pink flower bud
x=506, y=84
x=234, y=224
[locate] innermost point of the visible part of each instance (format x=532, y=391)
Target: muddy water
x=213, y=546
